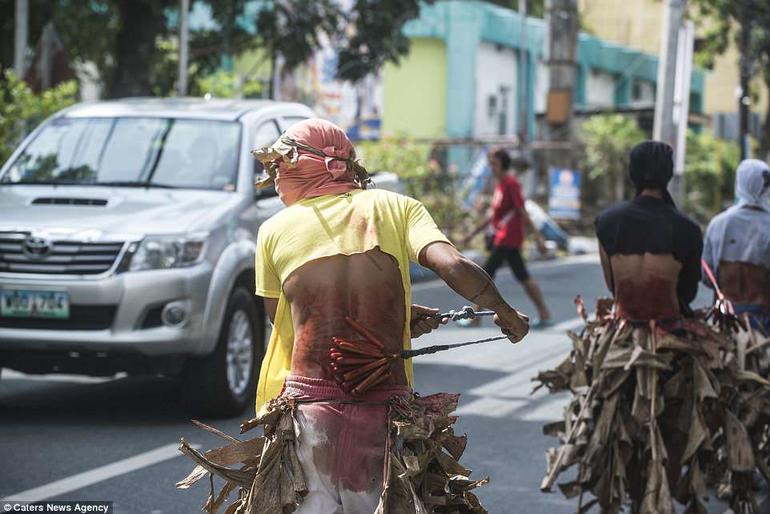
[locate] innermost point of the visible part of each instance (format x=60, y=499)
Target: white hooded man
x=737, y=245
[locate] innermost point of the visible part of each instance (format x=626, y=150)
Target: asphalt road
x=69, y=438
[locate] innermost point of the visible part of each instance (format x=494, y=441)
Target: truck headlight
x=165, y=252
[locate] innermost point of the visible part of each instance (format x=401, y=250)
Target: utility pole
x=744, y=99
x=562, y=71
x=664, y=126
x=184, y=45
x=20, y=37
x=50, y=45
x=524, y=79
x=682, y=102
x=227, y=32
x=271, y=86
x=524, y=99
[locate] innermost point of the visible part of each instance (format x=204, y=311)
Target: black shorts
x=499, y=254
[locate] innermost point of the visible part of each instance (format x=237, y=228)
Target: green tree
x=747, y=21
x=118, y=36
x=762, y=44
x=423, y=178
x=401, y=156
x=608, y=140
x=21, y=109
x=129, y=41
x=710, y=166
x=135, y=50
x=222, y=84
x=87, y=28
x=366, y=36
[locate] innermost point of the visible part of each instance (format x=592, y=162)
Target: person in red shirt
x=506, y=232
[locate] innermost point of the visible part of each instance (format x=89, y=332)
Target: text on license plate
x=34, y=304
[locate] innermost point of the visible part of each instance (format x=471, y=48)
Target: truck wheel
x=223, y=384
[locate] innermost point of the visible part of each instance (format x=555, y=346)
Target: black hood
x=652, y=167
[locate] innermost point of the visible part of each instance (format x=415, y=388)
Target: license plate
x=34, y=304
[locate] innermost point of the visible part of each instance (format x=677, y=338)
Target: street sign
x=564, y=194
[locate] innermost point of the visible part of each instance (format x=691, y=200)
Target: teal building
x=470, y=70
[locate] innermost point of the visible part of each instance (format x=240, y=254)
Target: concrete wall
x=541, y=87
x=414, y=92
x=496, y=91
x=463, y=52
x=638, y=24
x=722, y=83
x=633, y=23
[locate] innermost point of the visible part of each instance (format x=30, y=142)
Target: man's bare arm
x=470, y=281
x=606, y=268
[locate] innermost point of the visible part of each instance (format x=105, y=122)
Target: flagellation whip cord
x=408, y=354
x=358, y=366
x=466, y=312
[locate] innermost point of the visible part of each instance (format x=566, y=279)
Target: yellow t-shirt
x=322, y=227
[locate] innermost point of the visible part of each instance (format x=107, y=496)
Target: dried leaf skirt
x=658, y=416
x=423, y=475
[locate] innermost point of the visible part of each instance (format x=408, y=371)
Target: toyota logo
x=36, y=247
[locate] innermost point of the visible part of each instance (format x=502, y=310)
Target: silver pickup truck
x=127, y=233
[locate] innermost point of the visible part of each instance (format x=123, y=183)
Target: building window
x=502, y=123
x=491, y=106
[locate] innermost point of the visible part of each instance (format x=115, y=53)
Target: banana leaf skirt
x=423, y=475
x=658, y=414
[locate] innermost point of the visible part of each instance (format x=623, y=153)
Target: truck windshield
x=163, y=152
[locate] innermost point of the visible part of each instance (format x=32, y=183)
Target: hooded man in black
x=650, y=251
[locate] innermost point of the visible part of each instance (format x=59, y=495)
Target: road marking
x=489, y=407
x=511, y=396
x=100, y=474
x=550, y=408
x=10, y=374
x=563, y=261
x=570, y=324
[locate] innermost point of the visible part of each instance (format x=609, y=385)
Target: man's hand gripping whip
x=722, y=313
x=359, y=366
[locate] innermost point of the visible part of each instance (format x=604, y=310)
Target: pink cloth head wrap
x=311, y=174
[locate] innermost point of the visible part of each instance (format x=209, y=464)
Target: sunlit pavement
x=90, y=439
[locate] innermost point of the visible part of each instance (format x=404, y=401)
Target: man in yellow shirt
x=334, y=266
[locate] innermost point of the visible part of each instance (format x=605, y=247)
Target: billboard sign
x=564, y=194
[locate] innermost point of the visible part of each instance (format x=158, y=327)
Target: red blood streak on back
x=743, y=282
x=652, y=298
x=367, y=287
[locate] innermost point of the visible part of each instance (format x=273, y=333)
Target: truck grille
x=55, y=256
